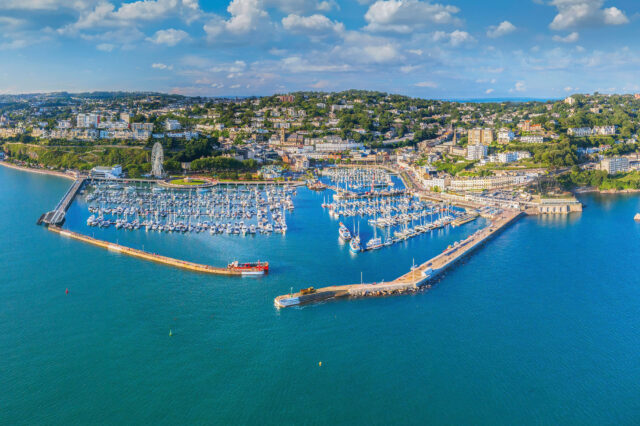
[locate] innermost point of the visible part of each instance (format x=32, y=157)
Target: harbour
x=497, y=311
x=263, y=209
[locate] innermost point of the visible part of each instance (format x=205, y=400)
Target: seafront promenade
x=412, y=281
x=38, y=171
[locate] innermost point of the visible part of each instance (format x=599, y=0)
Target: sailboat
x=354, y=244
x=375, y=242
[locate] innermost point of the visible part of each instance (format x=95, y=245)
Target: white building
x=142, y=126
x=507, y=157
x=476, y=152
x=532, y=139
x=580, y=132
x=170, y=125
x=87, y=120
x=114, y=172
x=604, y=130
x=489, y=182
x=615, y=165
x=505, y=135
x=338, y=146
x=64, y=124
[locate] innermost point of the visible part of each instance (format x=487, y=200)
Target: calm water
x=540, y=326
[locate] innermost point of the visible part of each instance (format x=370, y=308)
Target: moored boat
x=249, y=268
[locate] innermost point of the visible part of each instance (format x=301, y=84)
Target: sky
x=449, y=49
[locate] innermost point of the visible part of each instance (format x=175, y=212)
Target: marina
x=230, y=209
x=378, y=220
x=398, y=216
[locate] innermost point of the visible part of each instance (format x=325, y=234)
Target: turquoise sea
x=540, y=326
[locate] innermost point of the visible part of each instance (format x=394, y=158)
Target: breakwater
x=418, y=277
x=140, y=254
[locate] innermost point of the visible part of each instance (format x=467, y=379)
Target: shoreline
x=587, y=190
x=9, y=165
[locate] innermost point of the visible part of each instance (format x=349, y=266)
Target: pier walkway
x=413, y=280
x=57, y=215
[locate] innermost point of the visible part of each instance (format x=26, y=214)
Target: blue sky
x=444, y=49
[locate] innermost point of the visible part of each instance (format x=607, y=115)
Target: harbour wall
x=140, y=254
x=415, y=279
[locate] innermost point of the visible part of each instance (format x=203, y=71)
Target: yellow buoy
x=320, y=364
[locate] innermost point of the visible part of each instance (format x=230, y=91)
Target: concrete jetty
x=418, y=277
x=140, y=254
x=57, y=215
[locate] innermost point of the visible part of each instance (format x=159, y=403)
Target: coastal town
x=401, y=166
x=448, y=147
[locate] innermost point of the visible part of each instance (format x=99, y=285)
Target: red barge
x=249, y=268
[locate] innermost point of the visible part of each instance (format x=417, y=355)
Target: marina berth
x=400, y=216
x=225, y=209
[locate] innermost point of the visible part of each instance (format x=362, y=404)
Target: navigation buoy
x=320, y=364
x=66, y=291
x=170, y=333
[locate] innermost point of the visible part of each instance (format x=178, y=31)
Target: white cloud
x=234, y=67
x=361, y=49
x=320, y=84
x=409, y=68
x=247, y=17
x=301, y=6
x=105, y=47
x=489, y=91
x=569, y=38
x=580, y=13
x=429, y=84
x=105, y=14
x=520, y=86
x=297, y=64
x=384, y=53
x=404, y=16
x=500, y=30
x=161, y=66
x=169, y=37
x=313, y=24
x=455, y=38
x=11, y=23
x=14, y=44
x=45, y=4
